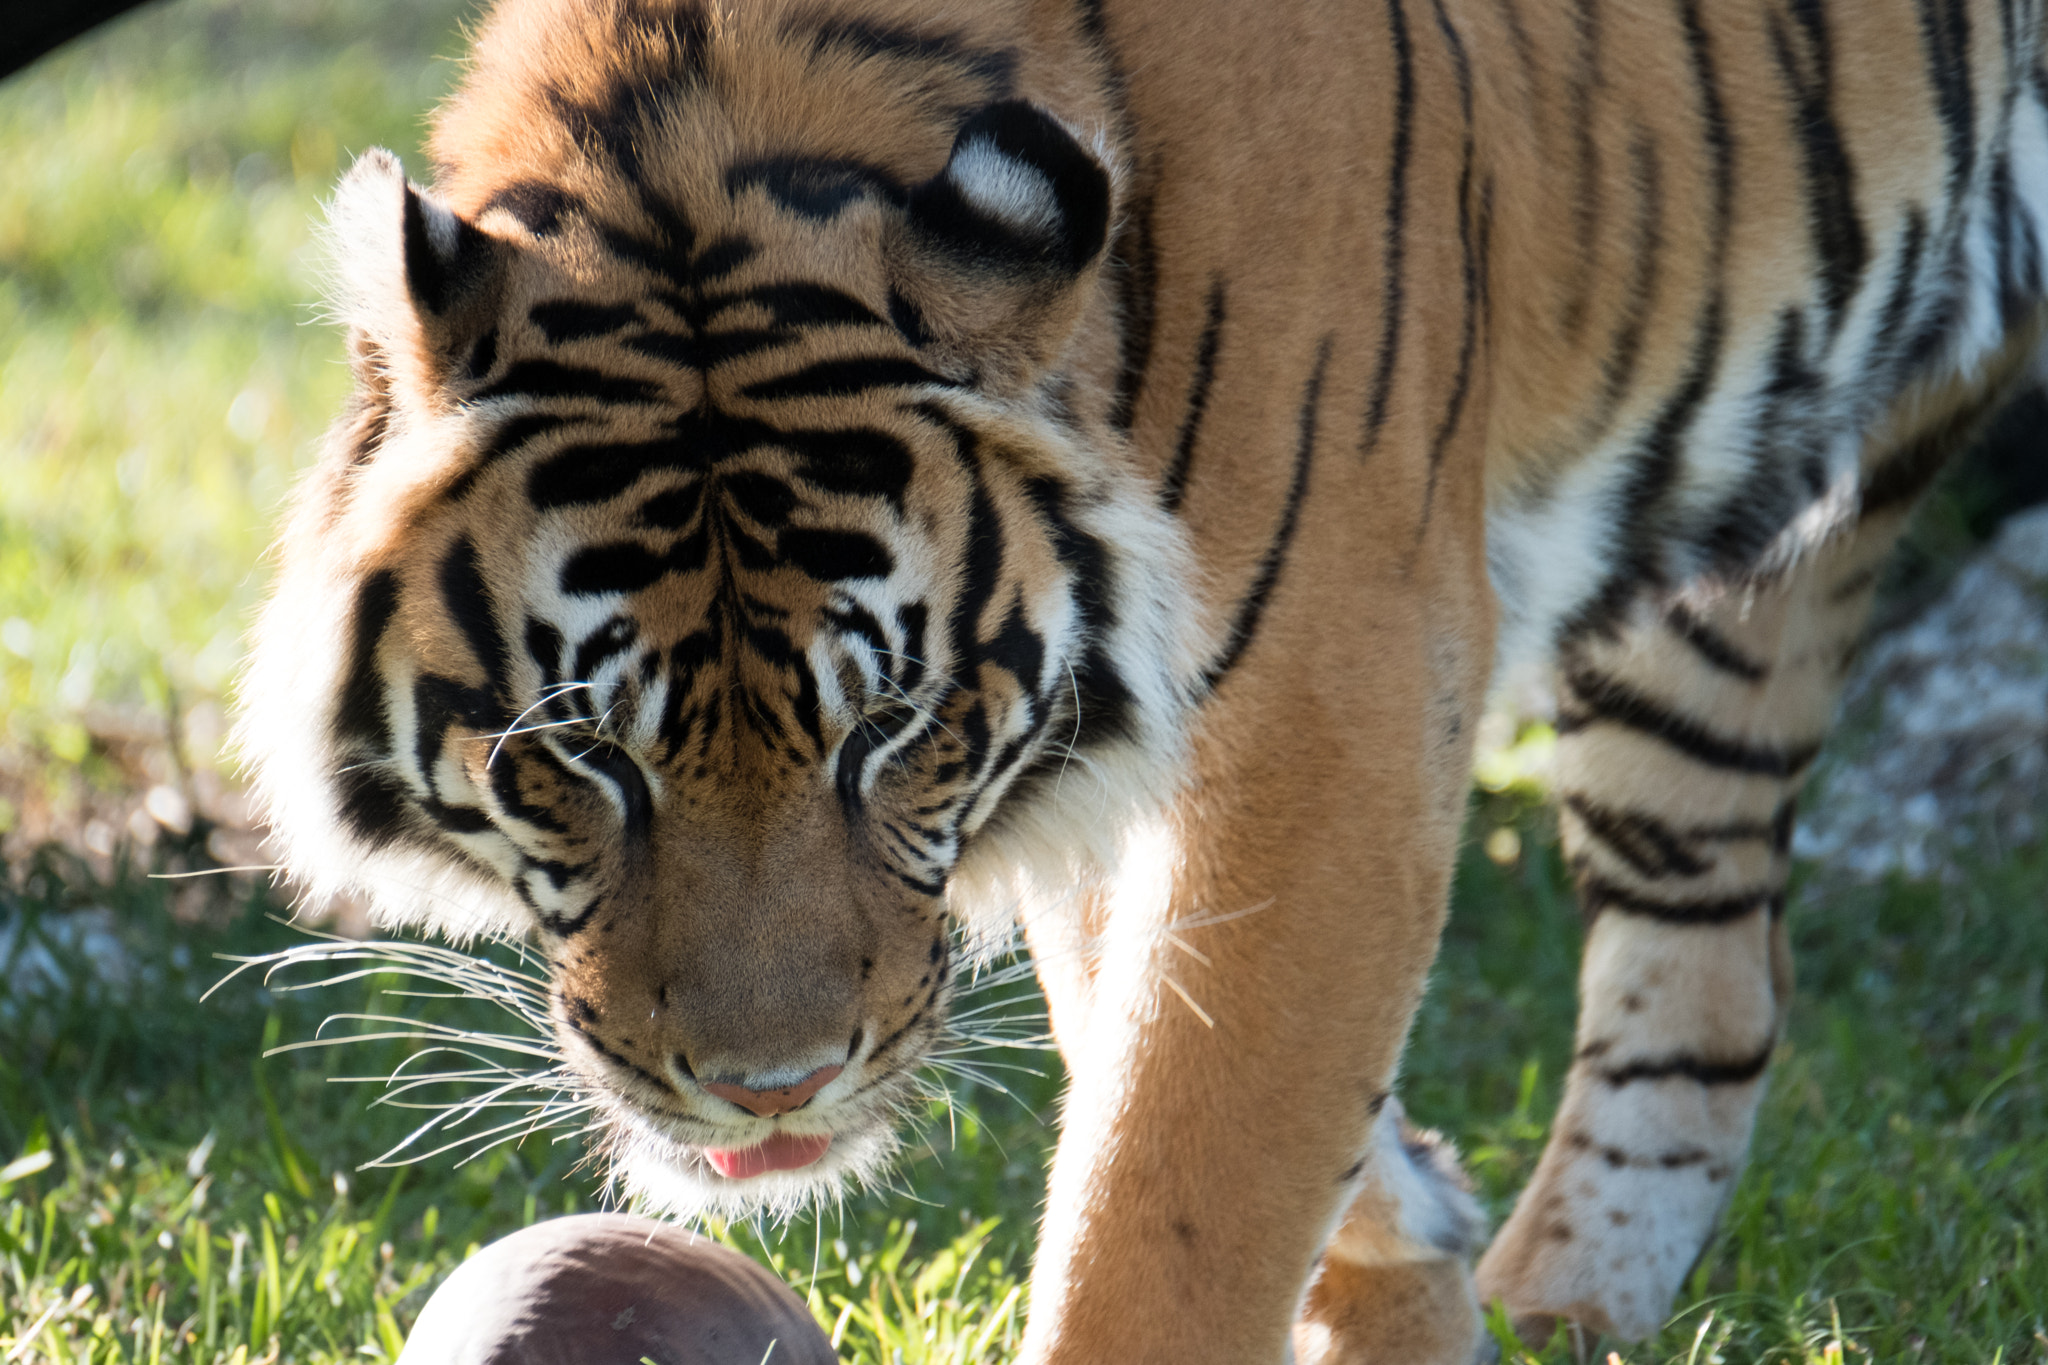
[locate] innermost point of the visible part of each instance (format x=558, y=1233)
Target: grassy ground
x=214, y=1202
x=167, y=1195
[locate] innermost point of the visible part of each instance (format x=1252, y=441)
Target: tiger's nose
x=780, y=1100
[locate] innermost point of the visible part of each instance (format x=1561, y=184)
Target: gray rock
x=1943, y=750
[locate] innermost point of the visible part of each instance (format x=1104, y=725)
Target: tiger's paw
x=1395, y=1283
x=1412, y=1313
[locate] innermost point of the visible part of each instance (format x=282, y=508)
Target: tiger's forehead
x=684, y=103
x=715, y=420
x=674, y=518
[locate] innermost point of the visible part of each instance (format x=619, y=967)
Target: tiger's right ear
x=999, y=247
x=416, y=284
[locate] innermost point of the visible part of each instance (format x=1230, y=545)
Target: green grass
x=213, y=1199
x=159, y=381
x=1895, y=1204
x=168, y=1195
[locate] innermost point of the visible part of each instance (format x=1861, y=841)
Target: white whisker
x=546, y=696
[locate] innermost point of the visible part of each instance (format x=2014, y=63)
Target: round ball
x=611, y=1289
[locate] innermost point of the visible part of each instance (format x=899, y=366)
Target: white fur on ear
x=366, y=242
x=397, y=250
x=408, y=275
x=1007, y=188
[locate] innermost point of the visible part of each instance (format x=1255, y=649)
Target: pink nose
x=768, y=1103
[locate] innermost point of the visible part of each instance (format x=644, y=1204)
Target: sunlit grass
x=1893, y=1210
x=218, y=1192
x=160, y=380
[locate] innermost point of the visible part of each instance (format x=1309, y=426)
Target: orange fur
x=1418, y=322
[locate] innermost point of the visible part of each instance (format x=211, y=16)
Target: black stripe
x=817, y=188
x=981, y=566
x=468, y=602
x=563, y=320
x=538, y=205
x=910, y=619
x=1252, y=607
x=1945, y=39
x=1102, y=696
x=860, y=462
x=1692, y=1068
x=667, y=257
x=505, y=785
x=509, y=436
x=374, y=805
x=703, y=350
x=545, y=646
x=482, y=356
x=1396, y=229
x=800, y=304
x=1656, y=465
x=832, y=556
x=1891, y=333
x=438, y=705
x=1712, y=646
x=583, y=475
x=996, y=68
x=1173, y=487
x=841, y=378
x=1625, y=350
x=1832, y=220
x=1469, y=256
x=1610, y=700
x=548, y=379
x=2013, y=301
x=1715, y=130
x=1137, y=256
x=602, y=645
x=1598, y=895
x=669, y=51
x=721, y=258
x=1648, y=845
x=921, y=887
x=1525, y=51
x=1586, y=199
x=457, y=819
x=359, y=714
x=623, y=567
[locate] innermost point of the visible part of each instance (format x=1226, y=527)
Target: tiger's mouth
x=777, y=1152
x=785, y=1166
x=694, y=1154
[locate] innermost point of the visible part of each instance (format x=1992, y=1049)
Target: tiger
x=832, y=484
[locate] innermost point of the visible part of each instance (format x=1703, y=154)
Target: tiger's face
x=701, y=571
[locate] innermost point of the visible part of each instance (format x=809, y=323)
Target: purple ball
x=611, y=1289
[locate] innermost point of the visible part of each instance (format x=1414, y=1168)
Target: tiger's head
x=719, y=549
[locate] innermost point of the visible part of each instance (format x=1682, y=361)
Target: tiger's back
x=819, y=469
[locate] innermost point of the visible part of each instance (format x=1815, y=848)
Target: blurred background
x=168, y=1194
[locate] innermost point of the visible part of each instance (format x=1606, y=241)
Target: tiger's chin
x=773, y=1174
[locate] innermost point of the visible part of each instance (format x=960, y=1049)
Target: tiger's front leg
x=1233, y=1038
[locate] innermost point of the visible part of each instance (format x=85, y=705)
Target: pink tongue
x=782, y=1152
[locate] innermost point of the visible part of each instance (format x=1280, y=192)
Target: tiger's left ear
x=417, y=284
x=998, y=247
